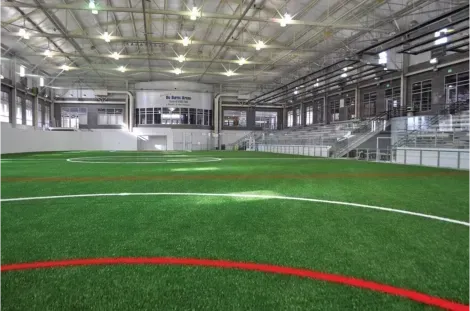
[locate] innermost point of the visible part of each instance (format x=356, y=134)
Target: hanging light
x=285, y=19
x=383, y=58
x=48, y=53
x=185, y=41
x=316, y=84
x=296, y=92
x=181, y=58
x=177, y=71
x=106, y=37
x=65, y=67
x=92, y=6
x=433, y=60
x=344, y=75
x=259, y=45
x=22, y=71
x=440, y=40
x=115, y=55
x=2, y=77
x=194, y=13
x=242, y=61
x=229, y=73
x=122, y=69
x=41, y=81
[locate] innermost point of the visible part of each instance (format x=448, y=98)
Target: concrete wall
x=27, y=139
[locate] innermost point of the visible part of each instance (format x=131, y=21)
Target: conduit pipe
x=217, y=113
x=129, y=116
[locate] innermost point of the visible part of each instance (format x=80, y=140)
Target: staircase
x=364, y=131
x=247, y=141
x=411, y=137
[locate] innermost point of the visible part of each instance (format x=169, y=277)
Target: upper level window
x=421, y=95
x=290, y=118
x=370, y=104
x=235, y=118
x=5, y=107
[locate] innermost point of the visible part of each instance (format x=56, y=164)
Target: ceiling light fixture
x=181, y=58
x=316, y=84
x=285, y=19
x=185, y=41
x=383, y=58
x=24, y=34
x=344, y=75
x=122, y=69
x=259, y=45
x=433, y=60
x=41, y=81
x=115, y=55
x=296, y=92
x=65, y=67
x=22, y=71
x=2, y=77
x=92, y=6
x=177, y=71
x=106, y=37
x=229, y=73
x=242, y=61
x=48, y=53
x=194, y=13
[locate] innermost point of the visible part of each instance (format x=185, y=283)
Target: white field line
x=237, y=195
x=162, y=160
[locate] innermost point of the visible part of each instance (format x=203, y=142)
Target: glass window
x=40, y=121
x=29, y=112
x=111, y=116
x=309, y=115
x=192, y=116
x=184, y=116
x=235, y=118
x=47, y=116
x=5, y=107
x=206, y=117
x=266, y=119
x=421, y=96
x=457, y=88
x=19, y=110
x=298, y=117
x=290, y=118
x=369, y=101
x=200, y=116
x=318, y=111
x=334, y=109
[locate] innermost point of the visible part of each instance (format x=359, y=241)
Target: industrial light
x=22, y=71
x=433, y=60
x=242, y=61
x=48, y=53
x=181, y=58
x=296, y=92
x=106, y=37
x=287, y=18
x=115, y=55
x=259, y=45
x=229, y=73
x=177, y=71
x=185, y=41
x=440, y=41
x=194, y=13
x=316, y=84
x=41, y=81
x=344, y=75
x=24, y=34
x=383, y=57
x=385, y=68
x=92, y=6
x=122, y=69
x=65, y=67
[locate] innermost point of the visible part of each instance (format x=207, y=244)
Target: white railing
x=305, y=150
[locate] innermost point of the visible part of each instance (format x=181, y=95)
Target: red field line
x=231, y=177
x=333, y=278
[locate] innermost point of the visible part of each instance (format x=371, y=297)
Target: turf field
x=230, y=231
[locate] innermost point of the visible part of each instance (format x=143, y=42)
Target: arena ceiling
x=251, y=44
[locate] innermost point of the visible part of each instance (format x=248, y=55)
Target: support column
x=35, y=111
x=13, y=93
x=404, y=81
x=356, y=103
x=284, y=117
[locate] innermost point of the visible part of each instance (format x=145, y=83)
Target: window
x=266, y=119
x=309, y=115
x=318, y=111
x=5, y=107
x=235, y=118
x=40, y=115
x=170, y=115
x=111, y=116
x=73, y=116
x=334, y=109
x=19, y=110
x=298, y=117
x=456, y=88
x=421, y=95
x=29, y=112
x=350, y=104
x=370, y=102
x=290, y=118
x=47, y=116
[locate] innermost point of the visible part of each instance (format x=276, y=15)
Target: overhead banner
x=155, y=99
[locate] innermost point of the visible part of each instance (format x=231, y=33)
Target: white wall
x=314, y=151
x=449, y=158
x=27, y=139
x=180, y=139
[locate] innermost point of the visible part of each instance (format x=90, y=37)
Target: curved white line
x=237, y=195
x=163, y=160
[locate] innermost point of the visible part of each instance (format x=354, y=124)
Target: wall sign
x=152, y=99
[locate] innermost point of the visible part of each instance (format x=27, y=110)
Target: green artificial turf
x=406, y=251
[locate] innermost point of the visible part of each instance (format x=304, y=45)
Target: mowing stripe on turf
x=238, y=195
x=248, y=266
